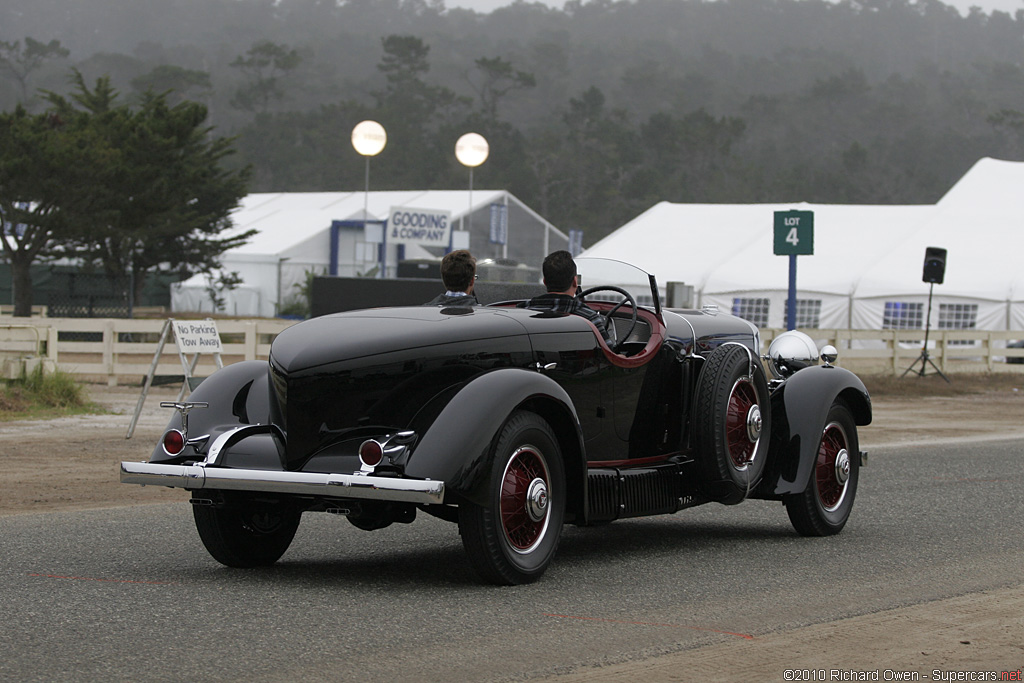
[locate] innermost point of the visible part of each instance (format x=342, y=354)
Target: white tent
x=322, y=232
x=867, y=266
x=980, y=222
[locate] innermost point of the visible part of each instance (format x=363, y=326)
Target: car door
x=566, y=349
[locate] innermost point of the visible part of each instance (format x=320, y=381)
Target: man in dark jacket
x=559, y=271
x=458, y=273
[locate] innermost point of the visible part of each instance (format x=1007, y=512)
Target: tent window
x=958, y=317
x=808, y=312
x=611, y=297
x=754, y=310
x=901, y=315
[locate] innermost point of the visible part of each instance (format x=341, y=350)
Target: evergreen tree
x=50, y=165
x=165, y=201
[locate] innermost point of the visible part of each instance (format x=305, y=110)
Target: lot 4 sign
x=426, y=227
x=794, y=233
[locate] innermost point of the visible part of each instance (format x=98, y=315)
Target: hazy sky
x=1010, y=6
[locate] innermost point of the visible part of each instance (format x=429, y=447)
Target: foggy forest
x=594, y=112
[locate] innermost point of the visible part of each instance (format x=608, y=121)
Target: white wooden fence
x=120, y=350
x=115, y=350
x=893, y=351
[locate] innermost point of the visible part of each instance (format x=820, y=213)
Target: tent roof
x=991, y=184
x=858, y=250
x=729, y=247
x=286, y=219
x=980, y=222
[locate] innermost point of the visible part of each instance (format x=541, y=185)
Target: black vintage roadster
x=512, y=422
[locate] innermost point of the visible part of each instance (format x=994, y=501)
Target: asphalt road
x=130, y=593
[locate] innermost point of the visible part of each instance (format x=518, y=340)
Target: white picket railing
x=885, y=351
x=115, y=350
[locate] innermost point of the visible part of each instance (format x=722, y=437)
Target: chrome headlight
x=791, y=351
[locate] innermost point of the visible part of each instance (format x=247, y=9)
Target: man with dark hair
x=559, y=271
x=458, y=273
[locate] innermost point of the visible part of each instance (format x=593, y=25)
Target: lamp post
x=471, y=150
x=368, y=139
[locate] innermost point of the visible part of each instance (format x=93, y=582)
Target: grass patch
x=43, y=395
x=913, y=386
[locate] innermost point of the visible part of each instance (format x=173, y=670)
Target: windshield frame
x=606, y=271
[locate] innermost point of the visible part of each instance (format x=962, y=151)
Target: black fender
x=457, y=446
x=798, y=410
x=237, y=394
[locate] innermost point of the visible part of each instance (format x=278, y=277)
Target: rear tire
x=824, y=506
x=244, y=533
x=732, y=423
x=513, y=538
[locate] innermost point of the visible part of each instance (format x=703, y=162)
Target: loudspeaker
x=934, y=265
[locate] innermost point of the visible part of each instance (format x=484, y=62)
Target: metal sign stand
x=793, y=235
x=926, y=359
x=189, y=367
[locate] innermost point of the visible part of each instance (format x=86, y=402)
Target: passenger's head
x=458, y=270
x=559, y=272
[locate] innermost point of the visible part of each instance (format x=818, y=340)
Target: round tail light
x=174, y=442
x=371, y=453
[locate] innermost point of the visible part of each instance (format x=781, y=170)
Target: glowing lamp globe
x=369, y=138
x=471, y=150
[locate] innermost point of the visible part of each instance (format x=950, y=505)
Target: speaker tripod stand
x=924, y=358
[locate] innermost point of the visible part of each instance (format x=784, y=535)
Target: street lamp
x=368, y=139
x=471, y=150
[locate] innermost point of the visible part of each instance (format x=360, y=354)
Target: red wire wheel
x=832, y=469
x=742, y=412
x=524, y=499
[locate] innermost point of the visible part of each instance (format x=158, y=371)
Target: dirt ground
x=72, y=463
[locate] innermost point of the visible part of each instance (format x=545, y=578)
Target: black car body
x=511, y=422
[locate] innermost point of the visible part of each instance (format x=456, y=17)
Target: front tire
x=824, y=506
x=513, y=538
x=243, y=533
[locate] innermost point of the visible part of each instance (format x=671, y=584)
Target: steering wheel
x=609, y=325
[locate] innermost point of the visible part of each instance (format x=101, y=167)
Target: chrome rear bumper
x=273, y=481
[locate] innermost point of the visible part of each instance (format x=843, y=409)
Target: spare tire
x=732, y=423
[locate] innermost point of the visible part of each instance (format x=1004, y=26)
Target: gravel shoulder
x=72, y=463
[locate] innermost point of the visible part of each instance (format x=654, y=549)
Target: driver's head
x=559, y=272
